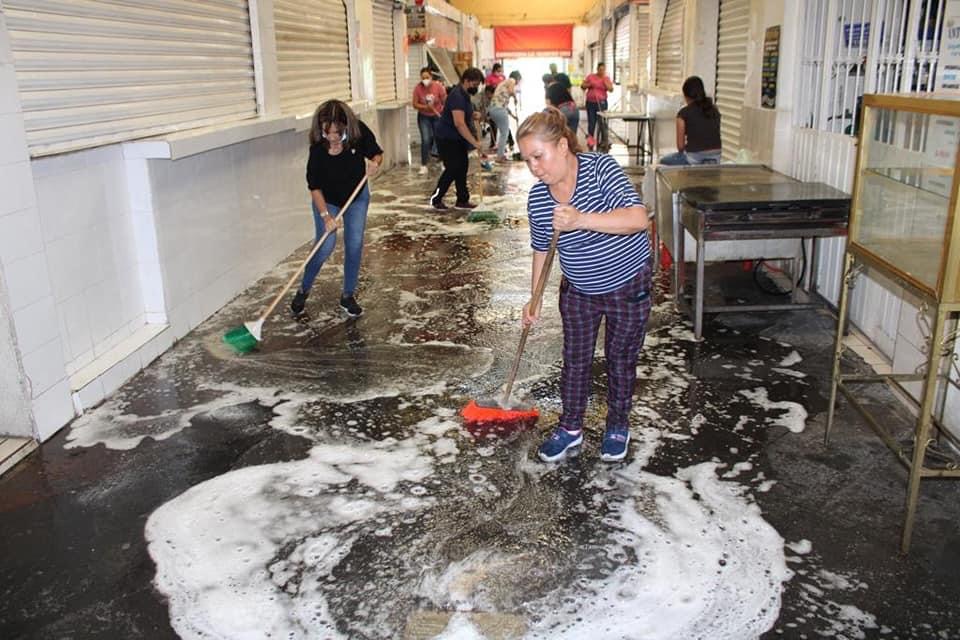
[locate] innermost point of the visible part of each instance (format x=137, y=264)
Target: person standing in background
x=455, y=139
x=596, y=85
x=500, y=114
x=428, y=99
x=495, y=76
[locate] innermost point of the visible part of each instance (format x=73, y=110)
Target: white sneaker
x=423, y=170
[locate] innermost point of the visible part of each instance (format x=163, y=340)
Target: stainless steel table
x=740, y=212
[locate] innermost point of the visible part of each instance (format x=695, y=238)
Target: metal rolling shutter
x=416, y=60
x=643, y=46
x=732, y=34
x=92, y=72
x=621, y=53
x=608, y=58
x=385, y=51
x=670, y=47
x=313, y=54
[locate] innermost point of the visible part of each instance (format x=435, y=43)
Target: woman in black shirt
x=342, y=150
x=558, y=95
x=698, y=128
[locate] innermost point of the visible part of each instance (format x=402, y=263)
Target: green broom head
x=240, y=339
x=483, y=216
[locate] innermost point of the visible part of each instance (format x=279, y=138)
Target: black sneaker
x=438, y=205
x=299, y=302
x=465, y=205
x=349, y=304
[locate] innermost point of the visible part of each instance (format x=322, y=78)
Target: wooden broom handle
x=535, y=300
x=316, y=247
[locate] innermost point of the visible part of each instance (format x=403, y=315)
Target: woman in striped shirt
x=605, y=259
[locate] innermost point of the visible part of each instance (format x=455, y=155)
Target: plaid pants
x=626, y=310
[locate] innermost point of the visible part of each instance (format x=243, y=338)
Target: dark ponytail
x=693, y=89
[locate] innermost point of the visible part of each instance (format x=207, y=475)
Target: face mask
x=472, y=91
x=426, y=82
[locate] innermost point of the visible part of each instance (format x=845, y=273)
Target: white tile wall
x=36, y=325
x=44, y=367
x=53, y=409
x=20, y=234
x=91, y=249
x=27, y=280
x=16, y=188
x=224, y=217
x=14, y=147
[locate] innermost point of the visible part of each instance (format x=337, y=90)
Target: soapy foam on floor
x=708, y=566
x=270, y=539
x=795, y=418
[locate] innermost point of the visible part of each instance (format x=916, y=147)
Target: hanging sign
x=768, y=73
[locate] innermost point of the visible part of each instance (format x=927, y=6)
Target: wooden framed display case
x=903, y=225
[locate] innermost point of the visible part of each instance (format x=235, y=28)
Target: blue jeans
x=691, y=157
x=354, y=223
x=592, y=109
x=572, y=112
x=502, y=120
x=428, y=142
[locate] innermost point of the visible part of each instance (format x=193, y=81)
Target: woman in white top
x=500, y=114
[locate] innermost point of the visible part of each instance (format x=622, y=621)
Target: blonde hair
x=549, y=125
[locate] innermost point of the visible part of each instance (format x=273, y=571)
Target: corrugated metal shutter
x=732, y=34
x=313, y=55
x=92, y=72
x=384, y=51
x=670, y=47
x=621, y=53
x=416, y=60
x=608, y=58
x=643, y=46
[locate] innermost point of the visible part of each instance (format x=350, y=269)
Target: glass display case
x=903, y=225
x=904, y=194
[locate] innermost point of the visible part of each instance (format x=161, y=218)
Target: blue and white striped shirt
x=592, y=261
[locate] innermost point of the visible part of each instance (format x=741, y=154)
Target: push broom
x=480, y=214
x=507, y=409
x=245, y=337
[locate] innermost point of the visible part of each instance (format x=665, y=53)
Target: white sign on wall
x=948, y=67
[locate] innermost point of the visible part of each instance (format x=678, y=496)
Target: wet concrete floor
x=324, y=485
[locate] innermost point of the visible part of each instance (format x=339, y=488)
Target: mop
x=245, y=337
x=508, y=409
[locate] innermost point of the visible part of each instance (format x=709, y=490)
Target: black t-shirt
x=557, y=94
x=337, y=176
x=457, y=100
x=703, y=132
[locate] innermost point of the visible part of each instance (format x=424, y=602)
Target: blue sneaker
x=615, y=443
x=559, y=442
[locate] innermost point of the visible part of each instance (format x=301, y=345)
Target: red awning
x=534, y=40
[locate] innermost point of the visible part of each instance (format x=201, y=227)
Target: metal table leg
x=698, y=301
